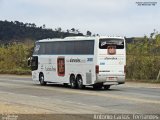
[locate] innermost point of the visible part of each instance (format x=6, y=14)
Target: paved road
x=20, y=95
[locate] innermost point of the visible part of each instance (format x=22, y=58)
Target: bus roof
x=67, y=38
x=79, y=38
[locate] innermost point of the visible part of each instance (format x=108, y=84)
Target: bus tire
x=41, y=79
x=97, y=86
x=106, y=87
x=80, y=82
x=73, y=82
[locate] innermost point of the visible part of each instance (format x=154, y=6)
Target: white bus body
x=80, y=61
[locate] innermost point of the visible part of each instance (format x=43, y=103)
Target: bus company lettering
x=76, y=60
x=111, y=58
x=50, y=68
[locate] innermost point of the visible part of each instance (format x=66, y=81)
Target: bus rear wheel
x=80, y=82
x=106, y=87
x=73, y=82
x=41, y=79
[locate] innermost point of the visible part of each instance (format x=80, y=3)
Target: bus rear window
x=105, y=43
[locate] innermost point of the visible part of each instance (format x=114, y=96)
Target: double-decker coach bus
x=80, y=61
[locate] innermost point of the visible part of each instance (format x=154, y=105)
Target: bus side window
x=61, y=66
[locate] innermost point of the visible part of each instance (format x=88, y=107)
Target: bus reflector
x=97, y=69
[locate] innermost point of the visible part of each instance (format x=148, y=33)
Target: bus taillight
x=97, y=69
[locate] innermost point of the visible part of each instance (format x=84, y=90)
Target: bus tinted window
x=105, y=43
x=65, y=47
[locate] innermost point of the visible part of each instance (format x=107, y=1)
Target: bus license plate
x=111, y=79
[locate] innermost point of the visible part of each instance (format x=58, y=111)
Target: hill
x=19, y=31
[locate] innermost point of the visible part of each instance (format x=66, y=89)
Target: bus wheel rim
x=80, y=84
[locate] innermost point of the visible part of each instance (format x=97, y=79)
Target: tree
x=44, y=26
x=59, y=29
x=19, y=31
x=88, y=33
x=73, y=30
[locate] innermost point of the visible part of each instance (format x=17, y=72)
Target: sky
x=103, y=17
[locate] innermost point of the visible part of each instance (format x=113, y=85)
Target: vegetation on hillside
x=19, y=31
x=13, y=58
x=143, y=58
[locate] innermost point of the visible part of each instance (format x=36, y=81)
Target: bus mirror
x=29, y=62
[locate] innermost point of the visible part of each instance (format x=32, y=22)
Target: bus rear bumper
x=110, y=80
